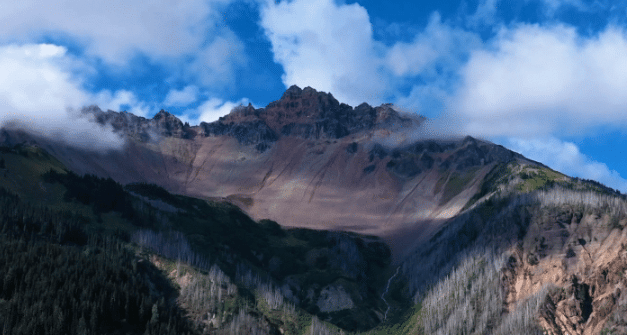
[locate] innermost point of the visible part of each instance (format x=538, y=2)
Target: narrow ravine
x=387, y=288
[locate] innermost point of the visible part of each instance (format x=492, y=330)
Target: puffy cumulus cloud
x=535, y=80
x=182, y=97
x=36, y=77
x=114, y=30
x=39, y=94
x=326, y=46
x=566, y=157
x=331, y=47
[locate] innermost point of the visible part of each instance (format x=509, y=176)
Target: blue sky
x=547, y=78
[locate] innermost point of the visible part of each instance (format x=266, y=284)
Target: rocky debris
x=460, y=155
x=352, y=148
x=582, y=256
x=568, y=309
x=377, y=151
x=404, y=167
x=334, y=298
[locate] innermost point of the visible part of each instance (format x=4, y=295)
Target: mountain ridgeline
x=307, y=216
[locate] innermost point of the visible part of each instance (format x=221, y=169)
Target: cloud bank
x=534, y=80
x=39, y=94
x=188, y=38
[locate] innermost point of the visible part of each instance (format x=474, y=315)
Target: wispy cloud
x=211, y=110
x=182, y=97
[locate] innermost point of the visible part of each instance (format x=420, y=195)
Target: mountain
x=309, y=209
x=305, y=151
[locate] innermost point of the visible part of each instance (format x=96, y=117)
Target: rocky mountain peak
x=308, y=113
x=305, y=113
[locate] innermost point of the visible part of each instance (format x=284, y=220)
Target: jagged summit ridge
x=309, y=113
x=304, y=113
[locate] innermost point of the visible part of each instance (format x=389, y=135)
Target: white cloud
x=215, y=108
x=331, y=47
x=216, y=63
x=35, y=77
x=439, y=42
x=566, y=158
x=115, y=29
x=326, y=46
x=211, y=110
x=120, y=100
x=537, y=80
x=167, y=32
x=181, y=97
x=39, y=94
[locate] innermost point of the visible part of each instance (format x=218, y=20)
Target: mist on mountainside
x=39, y=95
x=69, y=128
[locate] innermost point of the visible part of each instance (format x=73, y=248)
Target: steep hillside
x=551, y=261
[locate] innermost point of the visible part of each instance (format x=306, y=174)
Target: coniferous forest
x=58, y=279
x=86, y=255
